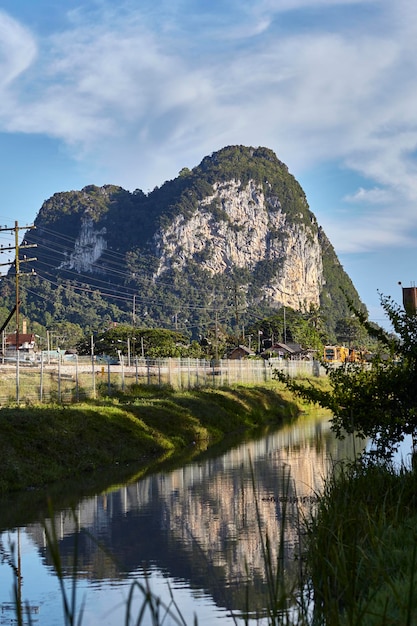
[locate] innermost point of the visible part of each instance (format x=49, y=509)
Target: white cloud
x=144, y=105
x=376, y=195
x=17, y=49
x=280, y=6
x=372, y=231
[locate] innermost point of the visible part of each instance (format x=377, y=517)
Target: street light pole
x=259, y=340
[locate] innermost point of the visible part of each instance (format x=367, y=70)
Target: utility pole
x=285, y=328
x=17, y=263
x=217, y=338
x=236, y=309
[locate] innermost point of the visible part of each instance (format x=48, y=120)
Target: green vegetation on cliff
x=123, y=285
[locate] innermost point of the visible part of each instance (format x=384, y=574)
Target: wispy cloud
x=144, y=97
x=17, y=51
x=376, y=195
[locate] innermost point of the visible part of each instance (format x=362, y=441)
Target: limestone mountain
x=232, y=239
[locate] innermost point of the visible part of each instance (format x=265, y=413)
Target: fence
x=81, y=378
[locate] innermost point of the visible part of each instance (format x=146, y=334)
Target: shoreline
x=145, y=427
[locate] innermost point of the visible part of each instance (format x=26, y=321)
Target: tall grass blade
x=69, y=600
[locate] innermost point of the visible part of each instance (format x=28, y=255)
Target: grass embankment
x=43, y=444
x=363, y=548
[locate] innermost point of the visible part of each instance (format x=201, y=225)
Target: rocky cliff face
x=254, y=229
x=234, y=235
x=89, y=246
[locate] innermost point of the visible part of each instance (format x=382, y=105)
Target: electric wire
x=53, y=246
x=117, y=270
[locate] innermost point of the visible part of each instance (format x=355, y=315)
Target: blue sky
x=129, y=92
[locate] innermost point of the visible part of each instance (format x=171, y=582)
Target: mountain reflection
x=201, y=523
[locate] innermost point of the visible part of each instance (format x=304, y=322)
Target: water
x=191, y=534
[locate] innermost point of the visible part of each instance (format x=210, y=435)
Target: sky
x=129, y=92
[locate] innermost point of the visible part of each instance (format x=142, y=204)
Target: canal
x=193, y=535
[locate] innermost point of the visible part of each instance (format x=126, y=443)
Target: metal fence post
x=93, y=374
x=59, y=377
x=77, y=385
x=41, y=380
x=17, y=375
x=122, y=362
x=170, y=371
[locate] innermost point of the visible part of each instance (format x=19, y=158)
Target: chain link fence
x=82, y=377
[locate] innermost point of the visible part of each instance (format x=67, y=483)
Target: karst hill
x=234, y=238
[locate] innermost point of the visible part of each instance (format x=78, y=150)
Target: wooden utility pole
x=17, y=263
x=17, y=267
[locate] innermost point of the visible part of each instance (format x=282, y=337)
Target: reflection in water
x=195, y=527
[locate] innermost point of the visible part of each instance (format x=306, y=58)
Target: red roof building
x=26, y=342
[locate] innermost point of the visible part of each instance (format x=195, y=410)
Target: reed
x=359, y=568
x=287, y=597
x=360, y=558
x=282, y=607
x=362, y=547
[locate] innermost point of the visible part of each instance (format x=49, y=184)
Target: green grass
x=361, y=543
x=363, y=548
x=47, y=443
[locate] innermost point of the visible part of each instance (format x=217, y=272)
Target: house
x=293, y=351
x=26, y=343
x=280, y=351
x=240, y=352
